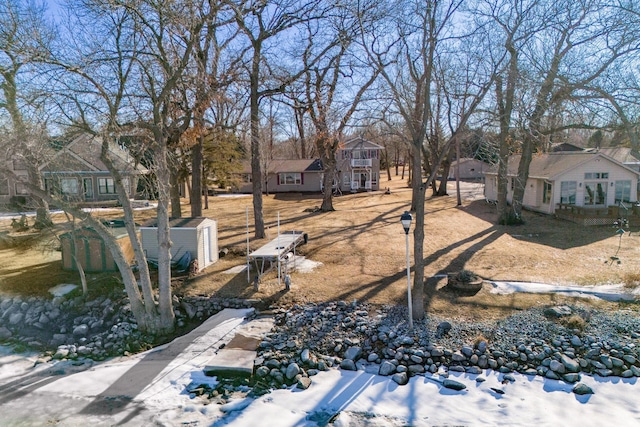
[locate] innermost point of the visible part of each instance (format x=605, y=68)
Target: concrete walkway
x=238, y=356
x=132, y=390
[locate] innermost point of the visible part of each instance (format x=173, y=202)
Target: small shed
x=91, y=251
x=198, y=236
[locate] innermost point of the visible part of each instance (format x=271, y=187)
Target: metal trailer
x=275, y=253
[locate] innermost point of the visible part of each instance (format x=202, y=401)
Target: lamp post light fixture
x=406, y=219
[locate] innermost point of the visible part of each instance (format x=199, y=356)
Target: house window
x=623, y=191
x=547, y=190
x=246, y=177
x=106, y=186
x=19, y=165
x=50, y=185
x=596, y=175
x=87, y=187
x=69, y=185
x=4, y=187
x=595, y=193
x=374, y=178
x=346, y=179
x=290, y=178
x=568, y=192
x=21, y=189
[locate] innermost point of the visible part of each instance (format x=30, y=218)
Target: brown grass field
x=361, y=246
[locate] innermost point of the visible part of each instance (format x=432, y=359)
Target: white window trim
x=297, y=178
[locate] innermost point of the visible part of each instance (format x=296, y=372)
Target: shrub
x=575, y=321
x=466, y=276
x=18, y=202
x=631, y=280
x=480, y=338
x=512, y=219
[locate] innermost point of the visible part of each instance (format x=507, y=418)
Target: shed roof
x=189, y=222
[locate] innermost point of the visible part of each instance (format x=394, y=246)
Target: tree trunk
x=196, y=178
x=329, y=163
x=457, y=172
x=386, y=156
x=10, y=92
x=417, y=292
x=533, y=133
x=256, y=170
x=505, y=107
x=165, y=307
x=174, y=194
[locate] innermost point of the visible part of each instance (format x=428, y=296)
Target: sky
x=150, y=389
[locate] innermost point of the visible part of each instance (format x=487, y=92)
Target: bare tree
x=147, y=48
x=590, y=31
x=339, y=71
x=215, y=70
x=24, y=40
x=262, y=23
x=425, y=43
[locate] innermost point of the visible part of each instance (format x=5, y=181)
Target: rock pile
x=70, y=328
x=313, y=337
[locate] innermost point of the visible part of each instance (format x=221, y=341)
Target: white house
x=584, y=179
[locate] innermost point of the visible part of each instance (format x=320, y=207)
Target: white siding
x=535, y=187
x=616, y=173
x=491, y=187
x=149, y=238
x=213, y=244
x=184, y=240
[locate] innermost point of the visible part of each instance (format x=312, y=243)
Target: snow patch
x=304, y=265
x=611, y=292
x=62, y=289
x=237, y=269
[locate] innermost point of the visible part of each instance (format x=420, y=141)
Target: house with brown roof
x=623, y=155
x=589, y=180
x=285, y=176
x=78, y=174
x=357, y=169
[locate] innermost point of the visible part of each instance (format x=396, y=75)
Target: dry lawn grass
x=362, y=248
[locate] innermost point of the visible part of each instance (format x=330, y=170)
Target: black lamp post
x=406, y=219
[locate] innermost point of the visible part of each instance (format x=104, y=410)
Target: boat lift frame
x=276, y=252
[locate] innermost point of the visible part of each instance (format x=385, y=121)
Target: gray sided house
x=11, y=188
x=582, y=182
x=358, y=164
x=470, y=169
x=286, y=176
x=198, y=236
x=77, y=173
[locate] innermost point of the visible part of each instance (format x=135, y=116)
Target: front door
x=363, y=180
x=595, y=193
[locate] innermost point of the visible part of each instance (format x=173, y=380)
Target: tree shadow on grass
x=543, y=229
